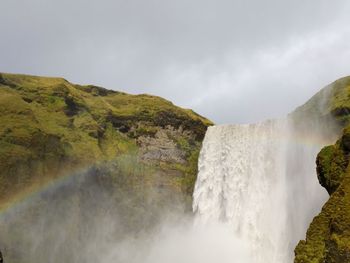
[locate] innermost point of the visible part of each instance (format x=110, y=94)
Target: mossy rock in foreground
x=331, y=165
x=328, y=237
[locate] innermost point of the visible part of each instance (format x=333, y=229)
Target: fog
x=82, y=220
x=182, y=243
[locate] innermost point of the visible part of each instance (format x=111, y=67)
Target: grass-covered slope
x=51, y=128
x=328, y=237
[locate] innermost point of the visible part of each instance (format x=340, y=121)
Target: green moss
x=145, y=130
x=339, y=104
x=184, y=144
x=331, y=166
x=191, y=171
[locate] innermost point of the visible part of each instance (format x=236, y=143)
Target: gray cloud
x=232, y=61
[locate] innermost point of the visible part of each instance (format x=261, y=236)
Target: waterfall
x=260, y=181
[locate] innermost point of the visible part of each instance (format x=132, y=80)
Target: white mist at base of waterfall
x=183, y=243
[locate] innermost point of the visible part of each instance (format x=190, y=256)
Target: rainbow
x=17, y=202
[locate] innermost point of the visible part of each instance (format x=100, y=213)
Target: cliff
x=328, y=237
x=139, y=150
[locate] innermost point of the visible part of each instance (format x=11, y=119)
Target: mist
x=83, y=220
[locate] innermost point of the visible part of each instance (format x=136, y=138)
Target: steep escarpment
x=328, y=237
x=52, y=128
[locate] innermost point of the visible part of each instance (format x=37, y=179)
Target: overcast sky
x=232, y=61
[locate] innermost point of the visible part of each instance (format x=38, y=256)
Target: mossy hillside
x=331, y=165
x=328, y=237
x=316, y=119
x=340, y=100
x=51, y=127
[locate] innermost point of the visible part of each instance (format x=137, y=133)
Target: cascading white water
x=260, y=181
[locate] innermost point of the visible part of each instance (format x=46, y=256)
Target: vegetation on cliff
x=328, y=237
x=50, y=128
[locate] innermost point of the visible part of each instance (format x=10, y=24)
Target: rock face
x=328, y=237
x=165, y=146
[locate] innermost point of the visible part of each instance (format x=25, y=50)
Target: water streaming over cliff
x=259, y=180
